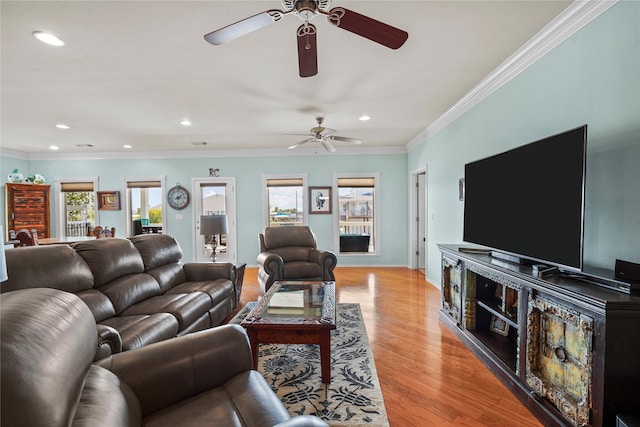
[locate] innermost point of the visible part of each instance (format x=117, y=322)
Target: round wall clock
x=178, y=197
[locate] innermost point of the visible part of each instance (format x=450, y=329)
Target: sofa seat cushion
x=186, y=308
x=107, y=401
x=138, y=331
x=218, y=289
x=302, y=270
x=246, y=400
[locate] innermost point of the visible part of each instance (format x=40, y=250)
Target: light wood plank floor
x=428, y=377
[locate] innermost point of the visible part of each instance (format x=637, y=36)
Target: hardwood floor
x=428, y=377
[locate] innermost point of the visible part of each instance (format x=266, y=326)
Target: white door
x=421, y=225
x=215, y=196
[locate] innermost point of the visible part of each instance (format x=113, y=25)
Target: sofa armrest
x=272, y=264
x=210, y=271
x=303, y=421
x=168, y=372
x=327, y=260
x=109, y=342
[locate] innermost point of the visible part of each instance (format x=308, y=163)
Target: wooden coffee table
x=295, y=313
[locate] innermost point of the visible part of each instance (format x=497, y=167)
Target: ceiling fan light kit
x=306, y=10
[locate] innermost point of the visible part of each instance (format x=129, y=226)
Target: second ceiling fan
x=324, y=136
x=346, y=19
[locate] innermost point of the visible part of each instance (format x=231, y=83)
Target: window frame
x=127, y=204
x=60, y=201
x=376, y=212
x=265, y=195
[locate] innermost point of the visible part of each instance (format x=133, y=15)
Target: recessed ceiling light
x=127, y=146
x=54, y=147
x=48, y=38
x=62, y=126
x=364, y=118
x=185, y=122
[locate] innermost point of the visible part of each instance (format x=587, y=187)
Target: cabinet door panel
x=560, y=357
x=28, y=207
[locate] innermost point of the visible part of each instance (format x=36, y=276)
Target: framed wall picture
x=320, y=200
x=109, y=200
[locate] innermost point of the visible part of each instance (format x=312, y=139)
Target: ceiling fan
x=324, y=136
x=346, y=19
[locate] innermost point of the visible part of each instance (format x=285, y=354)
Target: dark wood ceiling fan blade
x=366, y=27
x=246, y=26
x=307, y=50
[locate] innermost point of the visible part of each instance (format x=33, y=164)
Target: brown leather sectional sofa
x=137, y=289
x=199, y=379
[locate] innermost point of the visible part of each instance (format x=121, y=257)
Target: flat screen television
x=529, y=201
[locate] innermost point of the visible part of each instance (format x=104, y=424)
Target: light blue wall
x=594, y=78
x=247, y=172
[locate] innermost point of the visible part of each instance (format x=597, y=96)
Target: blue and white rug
x=352, y=399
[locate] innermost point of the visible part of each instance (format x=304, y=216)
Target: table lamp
x=212, y=226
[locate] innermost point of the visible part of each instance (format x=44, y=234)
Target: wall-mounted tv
x=529, y=201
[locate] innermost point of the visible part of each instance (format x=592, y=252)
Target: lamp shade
x=213, y=224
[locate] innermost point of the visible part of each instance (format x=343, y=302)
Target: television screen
x=529, y=201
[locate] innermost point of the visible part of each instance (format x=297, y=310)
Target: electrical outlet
x=179, y=217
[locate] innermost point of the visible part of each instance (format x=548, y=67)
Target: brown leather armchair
x=290, y=253
x=205, y=378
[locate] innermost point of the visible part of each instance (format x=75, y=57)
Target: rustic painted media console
x=569, y=350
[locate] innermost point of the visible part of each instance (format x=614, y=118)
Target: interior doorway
x=418, y=221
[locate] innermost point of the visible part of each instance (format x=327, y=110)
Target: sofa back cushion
x=157, y=249
x=161, y=255
x=126, y=291
x=48, y=343
x=52, y=266
x=110, y=259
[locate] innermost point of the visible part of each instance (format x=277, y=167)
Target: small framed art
x=109, y=200
x=320, y=200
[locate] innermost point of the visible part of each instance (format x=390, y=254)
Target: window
x=358, y=221
x=77, y=208
x=285, y=200
x=145, y=202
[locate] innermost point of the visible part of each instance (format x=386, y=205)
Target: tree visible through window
x=79, y=208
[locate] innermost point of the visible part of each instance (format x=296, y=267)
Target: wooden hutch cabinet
x=28, y=207
x=567, y=349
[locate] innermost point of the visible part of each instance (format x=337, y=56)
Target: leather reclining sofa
x=48, y=378
x=137, y=289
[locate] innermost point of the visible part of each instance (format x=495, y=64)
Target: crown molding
x=132, y=155
x=578, y=14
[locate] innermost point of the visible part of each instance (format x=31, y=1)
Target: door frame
x=230, y=210
x=418, y=215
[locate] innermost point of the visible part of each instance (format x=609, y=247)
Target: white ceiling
x=131, y=70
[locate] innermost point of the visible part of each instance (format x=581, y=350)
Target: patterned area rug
x=352, y=399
